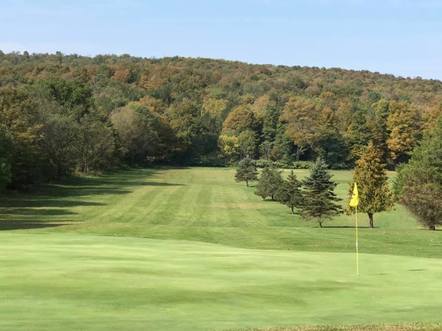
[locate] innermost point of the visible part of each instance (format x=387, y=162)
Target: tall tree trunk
x=58, y=172
x=370, y=218
x=320, y=224
x=298, y=153
x=292, y=209
x=247, y=183
x=432, y=227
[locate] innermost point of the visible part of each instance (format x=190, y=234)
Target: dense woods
x=64, y=114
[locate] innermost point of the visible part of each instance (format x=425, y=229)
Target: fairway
x=205, y=204
x=190, y=249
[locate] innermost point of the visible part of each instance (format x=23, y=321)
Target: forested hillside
x=64, y=114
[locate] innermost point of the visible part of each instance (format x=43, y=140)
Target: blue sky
x=402, y=37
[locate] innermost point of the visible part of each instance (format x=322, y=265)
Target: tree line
x=314, y=198
x=65, y=114
x=418, y=184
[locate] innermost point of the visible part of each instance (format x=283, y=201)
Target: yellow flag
x=354, y=202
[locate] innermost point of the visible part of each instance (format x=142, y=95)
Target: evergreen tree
x=319, y=201
x=370, y=175
x=246, y=171
x=269, y=183
x=247, y=143
x=419, y=183
x=289, y=193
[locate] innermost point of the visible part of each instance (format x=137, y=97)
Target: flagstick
x=357, y=243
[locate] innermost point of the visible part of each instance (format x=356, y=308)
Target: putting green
x=84, y=282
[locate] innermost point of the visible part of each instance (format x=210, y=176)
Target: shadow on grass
x=35, y=212
x=160, y=184
x=347, y=227
x=37, y=209
x=27, y=224
x=18, y=204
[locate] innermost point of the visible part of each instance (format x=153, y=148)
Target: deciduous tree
x=419, y=183
x=372, y=181
x=5, y=166
x=404, y=127
x=301, y=115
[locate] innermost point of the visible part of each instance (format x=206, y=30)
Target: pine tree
x=246, y=171
x=269, y=183
x=290, y=193
x=320, y=200
x=370, y=175
x=419, y=183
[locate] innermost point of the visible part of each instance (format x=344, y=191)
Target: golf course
x=221, y=165
x=191, y=249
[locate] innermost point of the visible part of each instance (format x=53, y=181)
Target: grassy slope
x=205, y=204
x=65, y=277
x=71, y=281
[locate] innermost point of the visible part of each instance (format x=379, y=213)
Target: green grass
x=86, y=255
x=205, y=204
x=83, y=282
x=374, y=327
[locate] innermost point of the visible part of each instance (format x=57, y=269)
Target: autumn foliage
x=61, y=114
